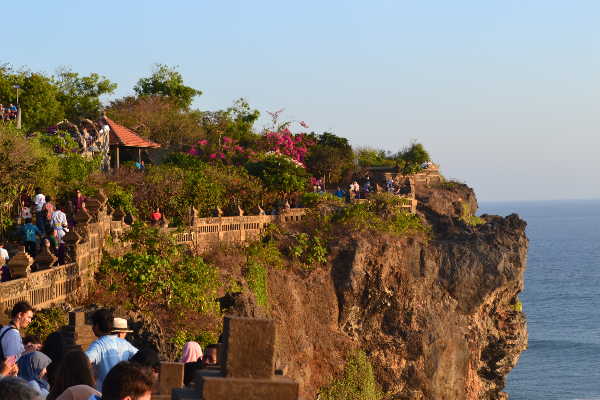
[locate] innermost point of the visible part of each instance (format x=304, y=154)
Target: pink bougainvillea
x=285, y=142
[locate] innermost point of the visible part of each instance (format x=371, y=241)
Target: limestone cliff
x=436, y=317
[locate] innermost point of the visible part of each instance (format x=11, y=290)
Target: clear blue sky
x=504, y=94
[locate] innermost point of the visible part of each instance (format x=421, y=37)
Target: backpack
x=2, y=337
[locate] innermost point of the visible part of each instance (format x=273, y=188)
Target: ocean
x=561, y=300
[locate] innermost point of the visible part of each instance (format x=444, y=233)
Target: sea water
x=561, y=300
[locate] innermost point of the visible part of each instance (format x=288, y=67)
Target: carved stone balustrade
x=20, y=265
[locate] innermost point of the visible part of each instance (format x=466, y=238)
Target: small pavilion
x=126, y=145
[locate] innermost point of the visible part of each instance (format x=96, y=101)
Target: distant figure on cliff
x=78, y=201
x=39, y=200
x=59, y=222
x=108, y=350
x=11, y=343
x=156, y=216
x=30, y=235
x=4, y=257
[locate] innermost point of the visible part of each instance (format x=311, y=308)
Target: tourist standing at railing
x=32, y=368
x=11, y=343
x=59, y=223
x=78, y=201
x=108, y=350
x=39, y=200
x=156, y=216
x=73, y=377
x=30, y=235
x=127, y=381
x=4, y=257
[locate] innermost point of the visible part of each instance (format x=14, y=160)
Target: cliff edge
x=438, y=317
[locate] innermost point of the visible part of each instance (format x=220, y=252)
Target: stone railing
x=84, y=245
x=205, y=232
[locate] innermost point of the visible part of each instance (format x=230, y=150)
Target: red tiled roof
x=120, y=135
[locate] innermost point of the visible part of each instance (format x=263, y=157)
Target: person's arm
x=93, y=353
x=131, y=350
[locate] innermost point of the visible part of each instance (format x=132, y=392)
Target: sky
x=504, y=94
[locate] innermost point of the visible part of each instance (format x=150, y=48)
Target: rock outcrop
x=436, y=316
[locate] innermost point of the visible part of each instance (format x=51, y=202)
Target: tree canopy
x=166, y=81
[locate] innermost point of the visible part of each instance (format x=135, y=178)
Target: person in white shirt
x=3, y=255
x=40, y=219
x=59, y=222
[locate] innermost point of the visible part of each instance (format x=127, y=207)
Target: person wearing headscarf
x=32, y=368
x=54, y=347
x=192, y=358
x=78, y=392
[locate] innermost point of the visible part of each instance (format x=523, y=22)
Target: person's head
x=211, y=354
x=120, y=327
x=157, y=209
x=21, y=314
x=74, y=369
x=102, y=322
x=149, y=359
x=127, y=381
x=32, y=342
x=78, y=192
x=27, y=220
x=33, y=367
x=48, y=199
x=38, y=190
x=14, y=388
x=192, y=352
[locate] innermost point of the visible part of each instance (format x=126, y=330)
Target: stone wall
x=87, y=240
x=206, y=232
x=55, y=284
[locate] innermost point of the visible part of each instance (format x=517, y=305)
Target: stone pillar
x=171, y=377
x=247, y=366
x=45, y=259
x=71, y=239
x=80, y=332
x=20, y=265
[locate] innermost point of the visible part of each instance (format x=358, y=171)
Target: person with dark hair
x=108, y=350
x=32, y=342
x=127, y=381
x=74, y=371
x=30, y=235
x=149, y=359
x=14, y=388
x=54, y=347
x=11, y=343
x=211, y=355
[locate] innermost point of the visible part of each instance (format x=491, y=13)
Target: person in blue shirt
x=108, y=350
x=30, y=234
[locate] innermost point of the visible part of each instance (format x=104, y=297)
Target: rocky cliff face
x=436, y=317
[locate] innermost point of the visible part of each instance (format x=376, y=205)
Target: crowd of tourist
x=110, y=369
x=8, y=113
x=51, y=225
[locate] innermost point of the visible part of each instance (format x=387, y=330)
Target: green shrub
x=309, y=250
x=257, y=277
x=356, y=383
x=468, y=218
x=46, y=321
x=158, y=271
x=311, y=200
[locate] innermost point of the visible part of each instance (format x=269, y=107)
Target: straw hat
x=120, y=325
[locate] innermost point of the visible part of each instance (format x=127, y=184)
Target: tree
x=158, y=118
x=331, y=157
x=166, y=81
x=279, y=173
x=80, y=95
